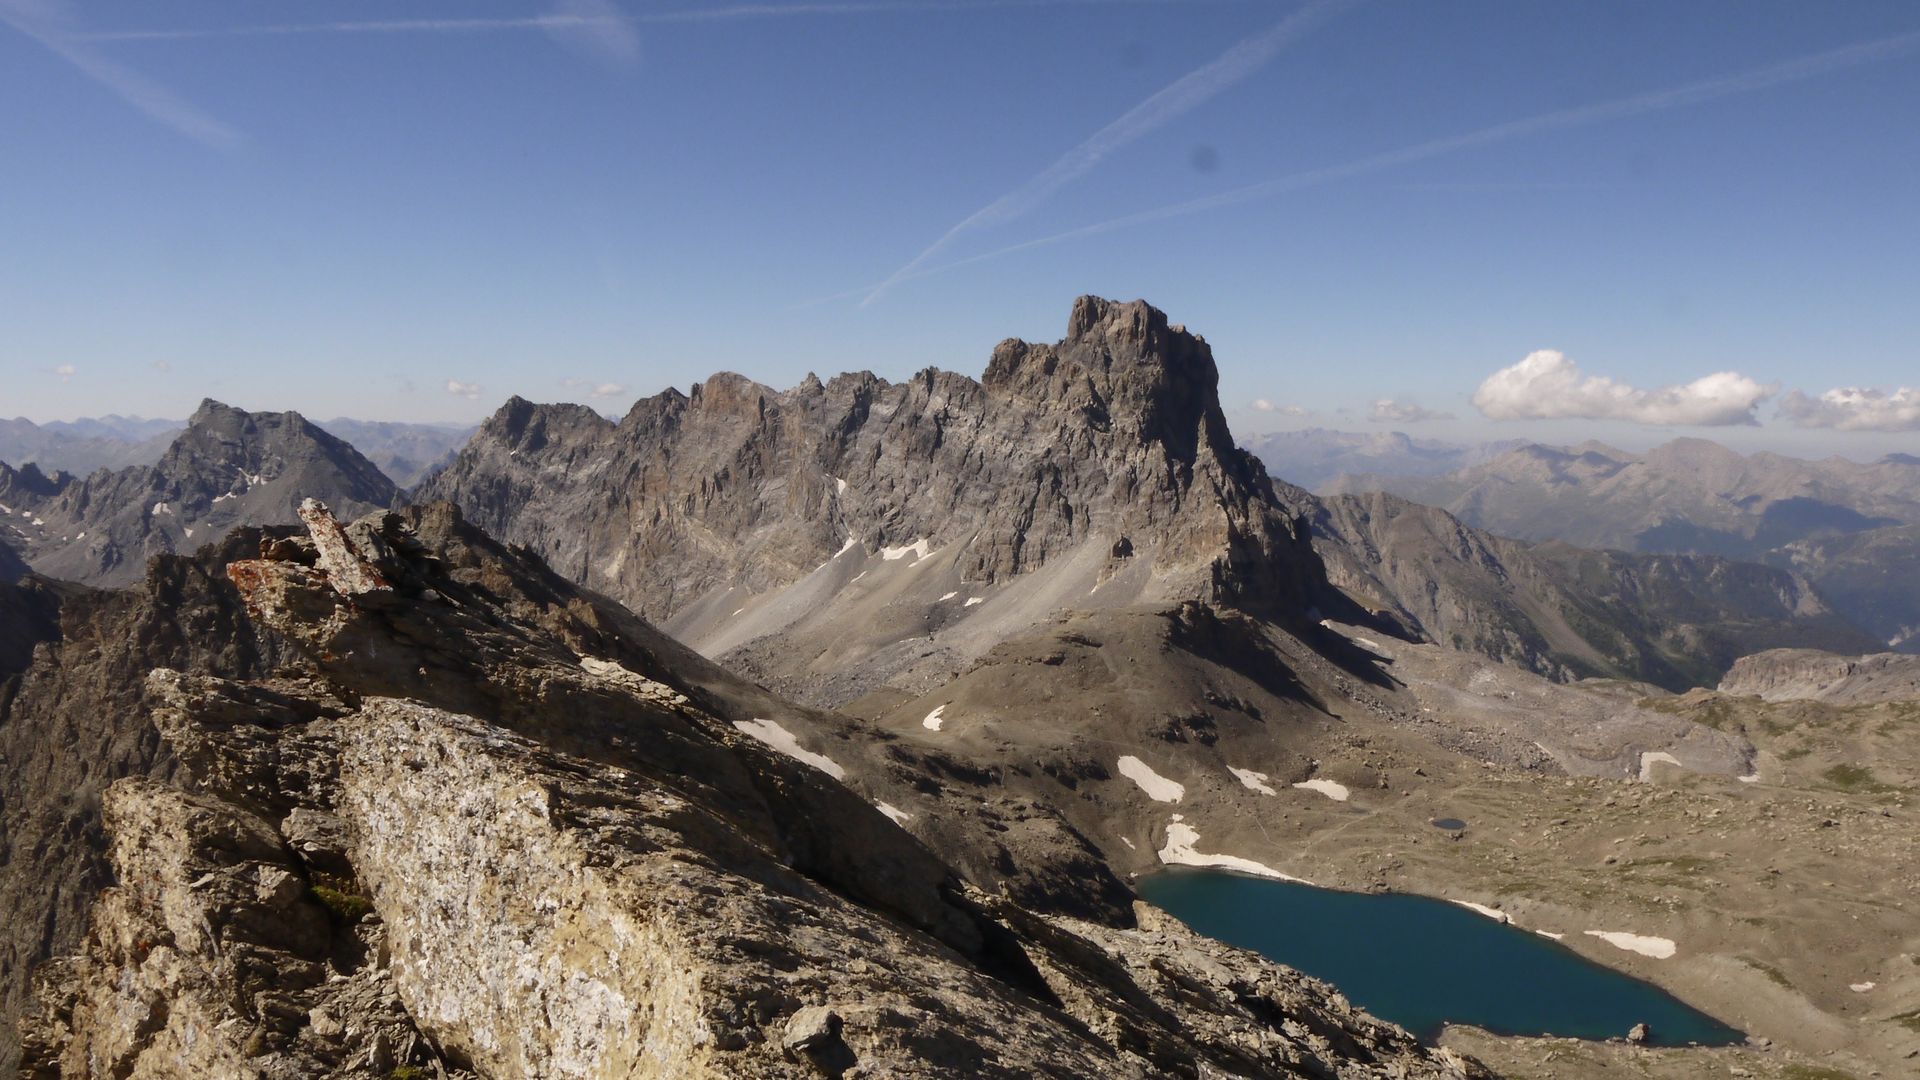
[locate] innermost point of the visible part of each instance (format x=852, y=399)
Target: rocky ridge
x=1104, y=456
x=435, y=809
x=1811, y=675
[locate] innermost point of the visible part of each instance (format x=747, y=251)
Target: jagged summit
x=1099, y=468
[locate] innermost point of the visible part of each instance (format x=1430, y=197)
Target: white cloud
x=1548, y=386
x=463, y=389
x=602, y=390
x=1389, y=411
x=1855, y=408
x=607, y=389
x=65, y=371
x=1263, y=405
x=164, y=367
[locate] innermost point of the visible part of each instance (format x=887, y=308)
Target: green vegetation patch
x=1857, y=778
x=1779, y=977
x=348, y=907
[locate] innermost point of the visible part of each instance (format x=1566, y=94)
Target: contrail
x=1171, y=102
x=732, y=13
x=1789, y=71
x=44, y=23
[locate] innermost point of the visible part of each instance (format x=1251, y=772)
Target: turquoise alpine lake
x=1424, y=963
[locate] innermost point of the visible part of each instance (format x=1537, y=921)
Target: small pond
x=1422, y=963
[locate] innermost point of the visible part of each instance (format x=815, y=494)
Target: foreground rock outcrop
x=449, y=815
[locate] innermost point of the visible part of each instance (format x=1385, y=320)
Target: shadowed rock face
x=1112, y=437
x=432, y=805
x=1673, y=620
x=226, y=468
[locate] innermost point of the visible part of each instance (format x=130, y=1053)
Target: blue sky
x=349, y=208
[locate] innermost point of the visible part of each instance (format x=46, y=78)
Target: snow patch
x=189, y=531
x=839, y=486
x=1255, y=780
x=1179, y=851
x=1129, y=843
x=1657, y=947
x=1751, y=778
x=972, y=600
x=43, y=521
x=899, y=816
x=852, y=542
x=736, y=611
x=1861, y=988
x=919, y=549
x=782, y=740
x=1370, y=645
x=946, y=598
x=932, y=720
x=159, y=508
x=1336, y=791
x=1549, y=935
x=1157, y=787
x=218, y=499
x=1648, y=760
x=1492, y=913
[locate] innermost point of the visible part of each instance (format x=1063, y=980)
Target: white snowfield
x=1647, y=761
x=782, y=740
x=899, y=816
x=946, y=598
x=1332, y=790
x=919, y=549
x=1157, y=787
x=972, y=600
x=1657, y=947
x=1179, y=851
x=1255, y=780
x=1492, y=913
x=932, y=720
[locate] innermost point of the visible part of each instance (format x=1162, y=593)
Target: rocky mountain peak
x=227, y=467
x=1125, y=368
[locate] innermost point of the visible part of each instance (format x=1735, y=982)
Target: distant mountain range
x=1316, y=457
x=405, y=452
x=1848, y=527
